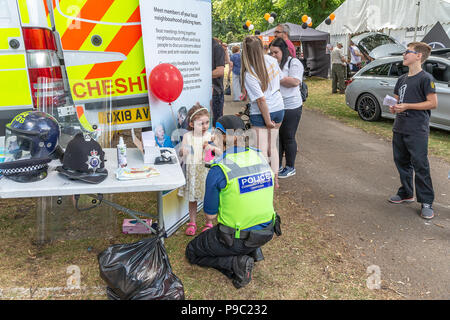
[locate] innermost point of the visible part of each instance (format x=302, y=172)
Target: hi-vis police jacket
x=247, y=200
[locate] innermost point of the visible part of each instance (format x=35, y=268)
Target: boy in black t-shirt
x=416, y=96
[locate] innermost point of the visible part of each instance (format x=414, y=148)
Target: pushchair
x=244, y=114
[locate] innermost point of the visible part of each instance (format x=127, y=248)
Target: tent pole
x=417, y=19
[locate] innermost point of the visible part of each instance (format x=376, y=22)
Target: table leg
x=160, y=212
x=41, y=220
x=58, y=219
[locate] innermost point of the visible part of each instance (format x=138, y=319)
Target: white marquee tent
x=396, y=18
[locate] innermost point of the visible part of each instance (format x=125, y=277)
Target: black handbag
x=227, y=91
x=304, y=91
x=303, y=86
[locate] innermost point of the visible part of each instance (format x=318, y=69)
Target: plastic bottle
x=121, y=153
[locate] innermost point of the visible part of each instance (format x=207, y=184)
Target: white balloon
x=251, y=27
x=271, y=20
x=309, y=20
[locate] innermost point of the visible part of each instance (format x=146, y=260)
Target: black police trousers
x=209, y=249
x=411, y=157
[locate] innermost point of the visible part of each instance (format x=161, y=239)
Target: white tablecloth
x=55, y=184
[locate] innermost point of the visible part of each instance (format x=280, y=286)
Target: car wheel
x=368, y=108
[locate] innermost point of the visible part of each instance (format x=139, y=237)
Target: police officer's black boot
x=257, y=255
x=242, y=268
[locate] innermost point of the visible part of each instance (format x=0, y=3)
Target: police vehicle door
x=15, y=92
x=104, y=58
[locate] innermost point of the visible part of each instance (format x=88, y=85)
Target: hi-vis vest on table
x=247, y=200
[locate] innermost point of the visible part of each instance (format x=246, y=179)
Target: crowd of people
x=341, y=66
x=238, y=187
x=270, y=79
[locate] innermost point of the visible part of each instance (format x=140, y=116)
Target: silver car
x=368, y=87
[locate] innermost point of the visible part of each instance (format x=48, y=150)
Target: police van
x=82, y=58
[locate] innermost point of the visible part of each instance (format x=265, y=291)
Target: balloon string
x=175, y=121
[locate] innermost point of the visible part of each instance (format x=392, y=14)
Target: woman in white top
x=292, y=70
x=260, y=77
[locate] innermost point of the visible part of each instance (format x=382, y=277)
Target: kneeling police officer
x=239, y=192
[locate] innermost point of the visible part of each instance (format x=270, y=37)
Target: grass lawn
x=306, y=262
x=333, y=105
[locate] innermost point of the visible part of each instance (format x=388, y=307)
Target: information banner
x=177, y=32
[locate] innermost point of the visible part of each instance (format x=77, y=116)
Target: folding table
x=57, y=185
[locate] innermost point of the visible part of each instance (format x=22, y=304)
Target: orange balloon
x=304, y=18
x=248, y=23
x=267, y=16
x=332, y=16
x=310, y=25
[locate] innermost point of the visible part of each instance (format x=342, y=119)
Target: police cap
x=229, y=122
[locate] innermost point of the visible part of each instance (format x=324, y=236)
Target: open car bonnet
x=377, y=45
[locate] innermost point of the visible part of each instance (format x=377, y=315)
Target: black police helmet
x=84, y=159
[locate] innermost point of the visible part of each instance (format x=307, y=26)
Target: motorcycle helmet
x=31, y=135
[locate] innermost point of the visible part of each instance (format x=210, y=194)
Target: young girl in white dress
x=195, y=144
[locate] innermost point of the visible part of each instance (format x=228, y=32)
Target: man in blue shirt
x=236, y=63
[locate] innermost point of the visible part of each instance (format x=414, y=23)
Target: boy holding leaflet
x=416, y=96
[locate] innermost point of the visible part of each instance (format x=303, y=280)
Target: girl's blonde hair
x=195, y=112
x=252, y=61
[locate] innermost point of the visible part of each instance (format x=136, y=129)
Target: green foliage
x=228, y=29
x=229, y=15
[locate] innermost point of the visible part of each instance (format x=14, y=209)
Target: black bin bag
x=139, y=271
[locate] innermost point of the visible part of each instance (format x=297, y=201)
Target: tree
x=230, y=15
x=227, y=29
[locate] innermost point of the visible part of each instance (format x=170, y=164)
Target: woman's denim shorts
x=257, y=120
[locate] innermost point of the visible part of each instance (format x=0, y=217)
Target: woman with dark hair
x=292, y=76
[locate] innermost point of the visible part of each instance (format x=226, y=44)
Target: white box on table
x=147, y=146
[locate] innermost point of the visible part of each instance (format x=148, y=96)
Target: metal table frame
x=56, y=185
